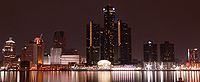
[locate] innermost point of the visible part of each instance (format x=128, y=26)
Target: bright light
x=161, y=66
x=149, y=66
x=104, y=63
x=19, y=59
x=149, y=42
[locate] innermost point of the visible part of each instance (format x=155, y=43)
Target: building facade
x=150, y=52
x=192, y=55
x=124, y=43
x=39, y=50
x=68, y=59
x=59, y=40
x=93, y=43
x=109, y=33
x=55, y=55
x=167, y=52
x=9, y=53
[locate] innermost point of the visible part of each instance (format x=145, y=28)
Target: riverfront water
x=99, y=76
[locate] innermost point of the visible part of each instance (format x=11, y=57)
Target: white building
x=55, y=55
x=66, y=59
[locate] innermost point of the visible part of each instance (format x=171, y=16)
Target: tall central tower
x=109, y=26
x=111, y=42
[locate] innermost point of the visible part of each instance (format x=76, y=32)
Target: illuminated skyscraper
x=93, y=43
x=39, y=50
x=59, y=40
x=150, y=52
x=109, y=41
x=29, y=53
x=9, y=52
x=124, y=42
x=167, y=52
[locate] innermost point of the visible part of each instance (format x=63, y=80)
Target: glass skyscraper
x=111, y=42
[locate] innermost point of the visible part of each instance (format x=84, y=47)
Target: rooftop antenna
x=41, y=36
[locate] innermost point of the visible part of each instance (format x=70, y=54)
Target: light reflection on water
x=99, y=76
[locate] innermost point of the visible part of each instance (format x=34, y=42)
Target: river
x=99, y=76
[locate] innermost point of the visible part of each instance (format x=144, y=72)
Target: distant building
x=55, y=55
x=9, y=53
x=124, y=43
x=193, y=55
x=71, y=56
x=46, y=59
x=59, y=40
x=39, y=50
x=93, y=43
x=167, y=52
x=150, y=52
x=83, y=60
x=67, y=59
x=33, y=52
x=29, y=53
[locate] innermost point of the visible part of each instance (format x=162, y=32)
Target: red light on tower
x=38, y=40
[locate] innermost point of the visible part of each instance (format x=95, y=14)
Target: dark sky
x=158, y=20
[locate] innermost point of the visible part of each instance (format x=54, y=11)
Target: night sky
x=177, y=21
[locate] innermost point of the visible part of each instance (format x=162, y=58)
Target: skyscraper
x=93, y=43
x=29, y=53
x=167, y=52
x=59, y=40
x=9, y=52
x=109, y=25
x=124, y=42
x=150, y=52
x=111, y=42
x=39, y=50
x=25, y=55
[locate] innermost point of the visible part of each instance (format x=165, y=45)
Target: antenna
x=41, y=36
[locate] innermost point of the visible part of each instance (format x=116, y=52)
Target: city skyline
x=24, y=20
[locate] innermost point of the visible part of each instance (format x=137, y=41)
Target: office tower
x=150, y=52
x=109, y=26
x=193, y=55
x=59, y=40
x=9, y=53
x=93, y=43
x=33, y=52
x=167, y=52
x=55, y=55
x=124, y=42
x=39, y=50
x=27, y=52
x=112, y=42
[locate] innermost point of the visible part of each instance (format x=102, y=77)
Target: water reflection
x=99, y=76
